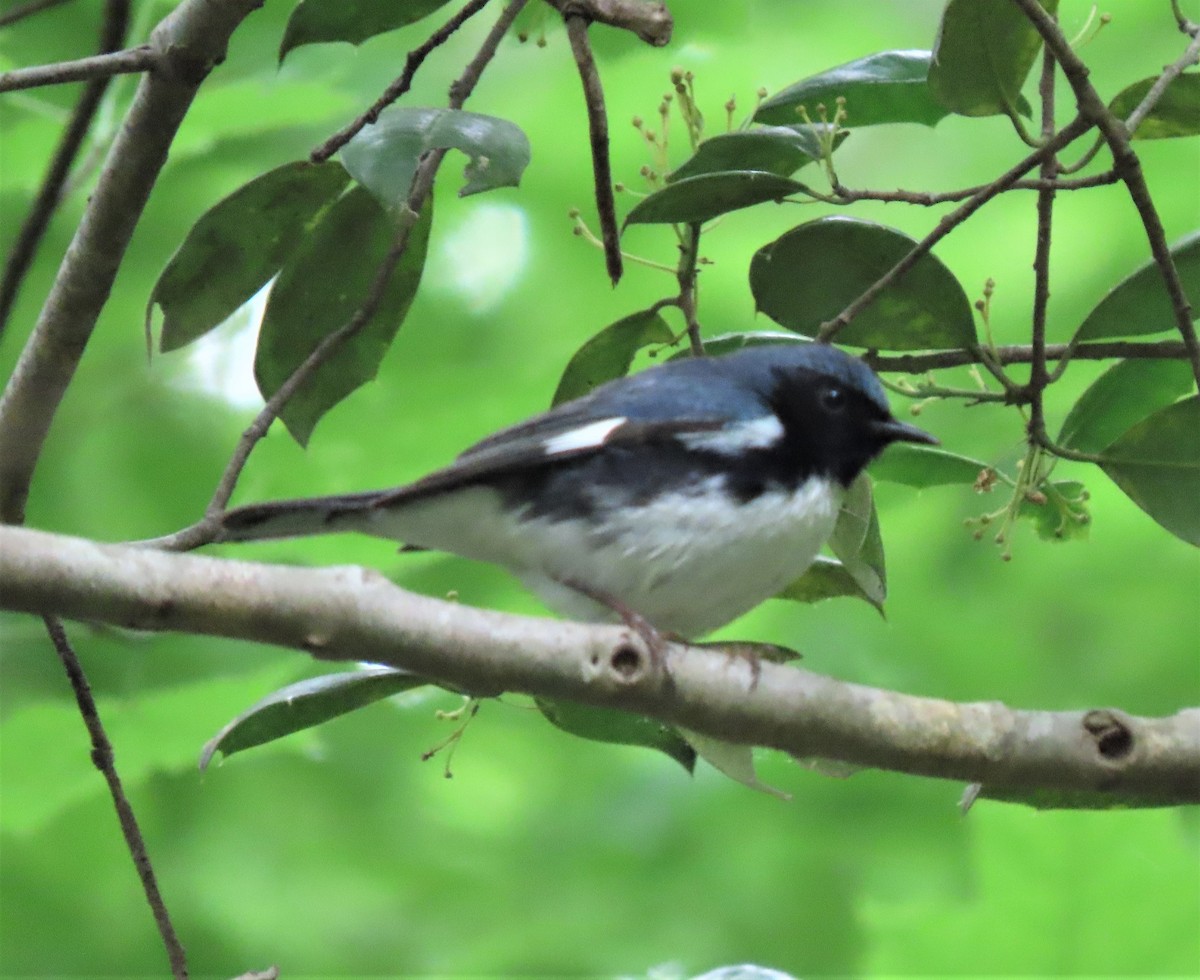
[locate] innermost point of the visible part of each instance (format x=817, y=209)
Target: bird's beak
x=892, y=430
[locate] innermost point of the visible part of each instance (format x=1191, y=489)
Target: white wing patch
x=589, y=436
x=756, y=434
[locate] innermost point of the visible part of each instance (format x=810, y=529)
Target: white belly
x=685, y=564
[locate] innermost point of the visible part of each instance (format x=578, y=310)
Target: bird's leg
x=655, y=640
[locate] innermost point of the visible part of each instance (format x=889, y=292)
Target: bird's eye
x=833, y=399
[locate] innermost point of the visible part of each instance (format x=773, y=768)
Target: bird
x=674, y=499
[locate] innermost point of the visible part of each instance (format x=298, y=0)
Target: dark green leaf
x=924, y=466
x=314, y=21
x=305, y=704
x=982, y=55
x=810, y=274
x=780, y=150
x=319, y=290
x=705, y=196
x=617, y=728
x=384, y=156
x=609, y=354
x=1120, y=398
x=1139, y=304
x=1177, y=112
x=238, y=245
x=888, y=87
x=1157, y=464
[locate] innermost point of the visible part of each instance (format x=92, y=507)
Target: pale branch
x=649, y=20
x=1020, y=354
x=1125, y=163
x=354, y=614
x=416, y=57
x=127, y=62
x=186, y=45
x=949, y=222
x=597, y=117
x=102, y=759
x=112, y=36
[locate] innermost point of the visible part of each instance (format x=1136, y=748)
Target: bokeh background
x=337, y=852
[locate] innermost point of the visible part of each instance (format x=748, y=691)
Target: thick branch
x=349, y=613
x=186, y=44
x=650, y=21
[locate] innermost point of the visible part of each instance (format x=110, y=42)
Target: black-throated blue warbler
x=680, y=497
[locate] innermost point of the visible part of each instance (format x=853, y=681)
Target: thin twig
x=1171, y=350
x=597, y=116
x=1126, y=164
x=948, y=223
x=205, y=529
x=416, y=57
x=129, y=61
x=112, y=36
x=28, y=10
x=846, y=195
x=102, y=759
x=1038, y=375
x=1190, y=57
x=689, y=256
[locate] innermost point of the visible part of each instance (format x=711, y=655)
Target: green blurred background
x=337, y=852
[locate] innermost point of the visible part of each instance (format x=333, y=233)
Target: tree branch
x=130, y=61
x=102, y=758
x=186, y=45
x=597, y=116
x=650, y=21
x=1018, y=354
x=349, y=613
x=112, y=36
x=28, y=10
x=1126, y=164
x=949, y=222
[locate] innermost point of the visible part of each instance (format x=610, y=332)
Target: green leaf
x=1120, y=398
x=306, y=704
x=384, y=156
x=617, y=728
x=779, y=150
x=318, y=291
x=1157, y=464
x=314, y=21
x=925, y=466
x=733, y=760
x=706, y=196
x=238, y=245
x=1139, y=304
x=826, y=578
x=859, y=569
x=1177, y=112
x=888, y=87
x=810, y=274
x=1063, y=515
x=609, y=354
x=982, y=55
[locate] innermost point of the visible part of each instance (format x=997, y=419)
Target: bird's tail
x=300, y=518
